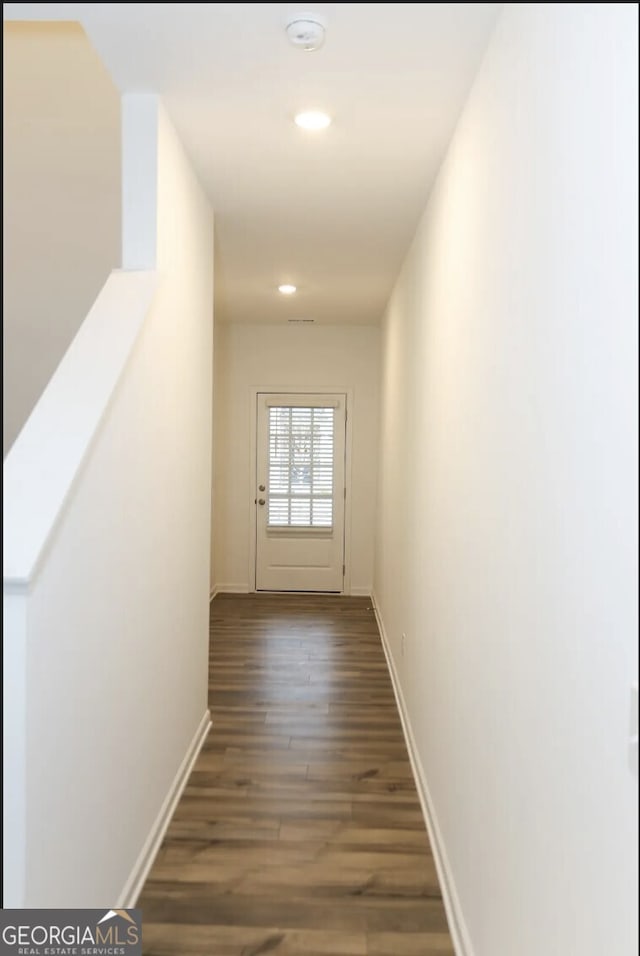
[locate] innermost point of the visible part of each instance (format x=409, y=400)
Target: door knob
x=260, y=487
x=260, y=501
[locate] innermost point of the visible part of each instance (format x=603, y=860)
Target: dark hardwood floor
x=300, y=831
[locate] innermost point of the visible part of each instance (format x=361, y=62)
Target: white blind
x=304, y=401
x=300, y=467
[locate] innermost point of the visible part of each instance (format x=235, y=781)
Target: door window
x=301, y=472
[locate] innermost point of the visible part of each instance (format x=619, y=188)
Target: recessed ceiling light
x=312, y=119
x=287, y=289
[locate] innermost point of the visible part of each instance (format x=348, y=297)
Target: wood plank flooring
x=300, y=831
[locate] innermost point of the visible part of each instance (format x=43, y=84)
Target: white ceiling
x=331, y=212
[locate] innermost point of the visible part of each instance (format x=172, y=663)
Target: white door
x=300, y=492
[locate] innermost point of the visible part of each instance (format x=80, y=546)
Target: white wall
x=507, y=534
x=305, y=357
x=61, y=216
x=117, y=606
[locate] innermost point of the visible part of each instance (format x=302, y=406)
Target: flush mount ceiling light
x=312, y=120
x=286, y=289
x=306, y=31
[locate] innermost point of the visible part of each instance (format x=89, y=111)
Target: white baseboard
x=244, y=589
x=133, y=886
x=457, y=926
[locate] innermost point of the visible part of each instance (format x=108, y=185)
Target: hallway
x=300, y=832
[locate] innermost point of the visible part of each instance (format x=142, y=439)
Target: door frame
x=254, y=391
